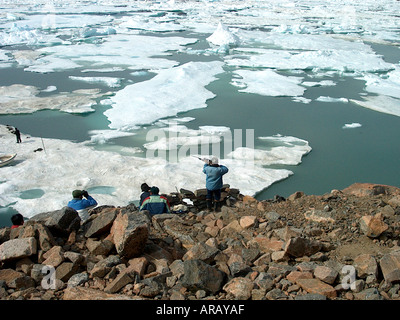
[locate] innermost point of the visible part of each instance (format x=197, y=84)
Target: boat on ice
x=5, y=159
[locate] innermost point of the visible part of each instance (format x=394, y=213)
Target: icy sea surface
x=290, y=95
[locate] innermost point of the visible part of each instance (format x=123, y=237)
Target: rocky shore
x=343, y=245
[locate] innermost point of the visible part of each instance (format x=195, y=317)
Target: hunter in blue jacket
x=214, y=173
x=80, y=204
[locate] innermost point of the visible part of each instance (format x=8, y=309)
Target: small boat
x=5, y=159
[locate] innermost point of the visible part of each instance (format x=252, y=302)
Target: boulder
x=200, y=276
x=130, y=232
x=299, y=247
x=373, y=226
x=60, y=222
x=100, y=224
x=240, y=288
x=17, y=249
x=104, y=266
x=317, y=286
x=16, y=280
x=202, y=252
x=390, y=266
x=366, y=265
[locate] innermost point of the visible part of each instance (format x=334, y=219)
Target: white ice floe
x=111, y=82
x=103, y=136
x=337, y=60
x=331, y=99
x=384, y=104
x=19, y=98
x=352, y=125
x=284, y=150
x=388, y=85
x=129, y=51
x=268, y=83
x=26, y=35
x=323, y=83
x=63, y=166
x=168, y=93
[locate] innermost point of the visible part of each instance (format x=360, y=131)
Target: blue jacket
x=79, y=204
x=155, y=204
x=214, y=176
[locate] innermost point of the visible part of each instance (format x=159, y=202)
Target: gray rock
x=201, y=276
x=18, y=248
x=78, y=279
x=101, y=224
x=60, y=222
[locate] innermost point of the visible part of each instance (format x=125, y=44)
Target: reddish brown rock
x=317, y=286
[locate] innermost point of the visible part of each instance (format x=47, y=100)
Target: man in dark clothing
x=18, y=134
x=155, y=203
x=145, y=193
x=214, y=173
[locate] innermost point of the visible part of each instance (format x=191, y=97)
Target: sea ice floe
x=337, y=60
x=284, y=150
x=134, y=52
x=268, y=83
x=19, y=98
x=171, y=91
x=384, y=104
x=351, y=125
x=108, y=81
x=331, y=99
x=388, y=84
x=103, y=136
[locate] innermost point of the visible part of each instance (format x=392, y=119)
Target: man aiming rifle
x=214, y=173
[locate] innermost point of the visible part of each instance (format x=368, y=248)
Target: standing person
x=82, y=205
x=155, y=203
x=145, y=193
x=214, y=173
x=17, y=220
x=18, y=134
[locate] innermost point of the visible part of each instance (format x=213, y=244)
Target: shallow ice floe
x=284, y=150
x=331, y=99
x=177, y=136
x=268, y=83
x=381, y=103
x=108, y=81
x=130, y=51
x=171, y=91
x=103, y=136
x=63, y=166
x=388, y=84
x=352, y=125
x=18, y=98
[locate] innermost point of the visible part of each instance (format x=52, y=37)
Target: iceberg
x=223, y=37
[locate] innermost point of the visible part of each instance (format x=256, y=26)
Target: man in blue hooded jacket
x=214, y=173
x=82, y=205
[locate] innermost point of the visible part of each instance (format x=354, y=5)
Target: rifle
x=203, y=159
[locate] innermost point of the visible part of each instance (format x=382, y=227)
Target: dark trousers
x=213, y=194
